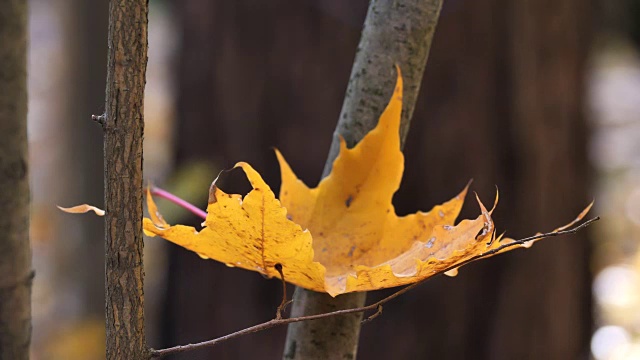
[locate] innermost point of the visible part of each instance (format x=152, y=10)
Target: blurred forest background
x=541, y=98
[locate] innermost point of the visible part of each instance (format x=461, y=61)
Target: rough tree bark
x=123, y=125
x=15, y=252
x=395, y=32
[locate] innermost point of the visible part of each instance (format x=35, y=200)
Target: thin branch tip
x=284, y=302
x=556, y=233
x=100, y=119
x=374, y=315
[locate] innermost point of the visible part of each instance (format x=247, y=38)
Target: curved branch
x=377, y=306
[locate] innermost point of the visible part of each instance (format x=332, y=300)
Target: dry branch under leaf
x=377, y=306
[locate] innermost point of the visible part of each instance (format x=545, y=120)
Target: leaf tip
x=212, y=193
x=528, y=244
x=464, y=191
x=495, y=202
x=152, y=208
x=452, y=272
x=397, y=92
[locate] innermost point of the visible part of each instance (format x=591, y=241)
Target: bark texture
x=395, y=32
x=124, y=128
x=15, y=252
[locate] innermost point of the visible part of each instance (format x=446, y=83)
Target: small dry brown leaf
x=81, y=209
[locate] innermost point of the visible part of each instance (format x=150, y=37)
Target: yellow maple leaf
x=343, y=235
x=251, y=233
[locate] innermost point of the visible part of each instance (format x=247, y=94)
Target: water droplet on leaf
x=429, y=243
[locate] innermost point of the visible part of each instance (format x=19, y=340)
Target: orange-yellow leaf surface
x=251, y=233
x=343, y=235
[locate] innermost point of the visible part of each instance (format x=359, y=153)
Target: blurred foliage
x=615, y=105
x=189, y=182
x=83, y=340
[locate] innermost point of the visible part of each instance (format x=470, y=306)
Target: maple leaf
x=251, y=233
x=343, y=235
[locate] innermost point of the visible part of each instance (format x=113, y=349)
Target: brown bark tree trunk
x=500, y=103
x=15, y=252
x=123, y=134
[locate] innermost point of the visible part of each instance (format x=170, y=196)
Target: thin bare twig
x=373, y=316
x=100, y=119
x=284, y=302
x=375, y=306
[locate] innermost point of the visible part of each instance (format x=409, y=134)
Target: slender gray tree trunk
x=15, y=253
x=395, y=32
x=123, y=134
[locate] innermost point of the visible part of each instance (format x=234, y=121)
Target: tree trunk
x=395, y=32
x=15, y=252
x=260, y=74
x=123, y=134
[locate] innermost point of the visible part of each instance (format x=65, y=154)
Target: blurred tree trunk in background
x=15, y=251
x=88, y=30
x=67, y=80
x=501, y=102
